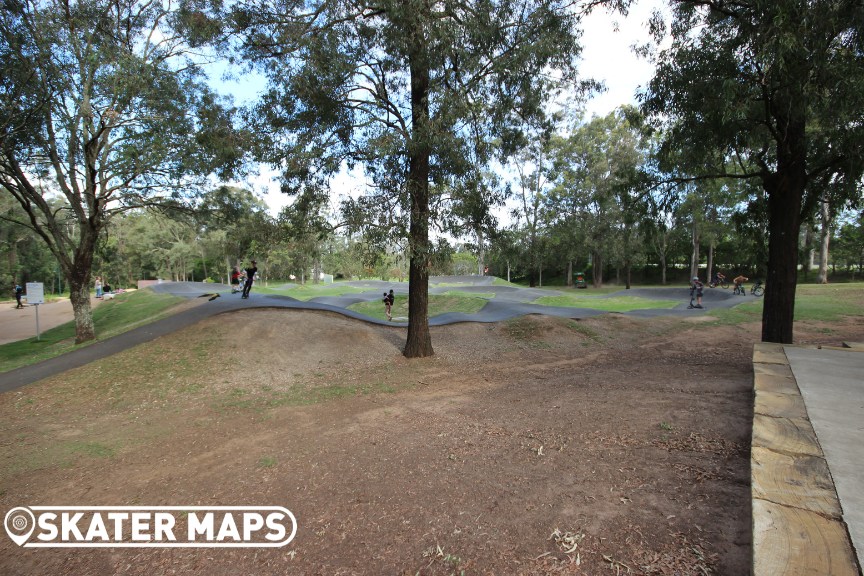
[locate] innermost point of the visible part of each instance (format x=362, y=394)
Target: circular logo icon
x=19, y=524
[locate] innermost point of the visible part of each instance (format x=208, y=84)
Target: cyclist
x=757, y=289
x=739, y=283
x=718, y=279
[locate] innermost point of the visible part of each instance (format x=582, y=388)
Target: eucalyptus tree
x=23, y=256
x=417, y=81
x=566, y=241
x=506, y=251
x=102, y=105
x=830, y=204
x=472, y=201
x=596, y=172
x=849, y=244
x=534, y=173
x=775, y=89
x=231, y=220
x=632, y=234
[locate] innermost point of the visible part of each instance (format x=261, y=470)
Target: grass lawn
x=829, y=302
x=124, y=312
x=309, y=291
x=614, y=304
x=463, y=294
x=438, y=304
x=813, y=302
x=740, y=314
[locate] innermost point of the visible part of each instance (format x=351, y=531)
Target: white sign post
x=36, y=296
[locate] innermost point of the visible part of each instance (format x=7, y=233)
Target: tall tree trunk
x=532, y=259
x=785, y=195
x=419, y=342
x=570, y=273
x=597, y=269
x=204, y=262
x=807, y=252
x=76, y=264
x=709, y=272
x=825, y=238
x=78, y=273
x=480, y=252
x=662, y=248
x=79, y=295
x=694, y=255
x=663, y=270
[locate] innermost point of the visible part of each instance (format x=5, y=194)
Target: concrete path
x=20, y=323
x=508, y=302
x=807, y=461
x=832, y=385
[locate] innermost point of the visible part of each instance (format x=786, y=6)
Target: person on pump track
x=250, y=277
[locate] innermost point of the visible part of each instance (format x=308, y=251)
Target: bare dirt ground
x=536, y=446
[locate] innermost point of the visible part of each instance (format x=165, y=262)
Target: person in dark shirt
x=250, y=277
x=18, y=293
x=388, y=304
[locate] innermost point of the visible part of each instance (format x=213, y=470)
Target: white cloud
x=608, y=56
x=265, y=185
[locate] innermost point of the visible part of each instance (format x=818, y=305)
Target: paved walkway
x=808, y=461
x=20, y=323
x=832, y=385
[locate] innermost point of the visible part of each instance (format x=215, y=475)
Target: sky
x=607, y=56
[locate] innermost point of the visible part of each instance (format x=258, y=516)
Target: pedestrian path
x=20, y=323
x=807, y=460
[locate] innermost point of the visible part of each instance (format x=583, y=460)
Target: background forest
x=559, y=220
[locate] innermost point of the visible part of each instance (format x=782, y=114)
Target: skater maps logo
x=150, y=526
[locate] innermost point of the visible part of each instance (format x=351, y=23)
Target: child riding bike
x=757, y=289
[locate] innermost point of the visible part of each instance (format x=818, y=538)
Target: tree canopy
x=103, y=107
x=772, y=91
x=414, y=90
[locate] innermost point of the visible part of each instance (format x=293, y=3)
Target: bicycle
x=757, y=289
x=722, y=283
